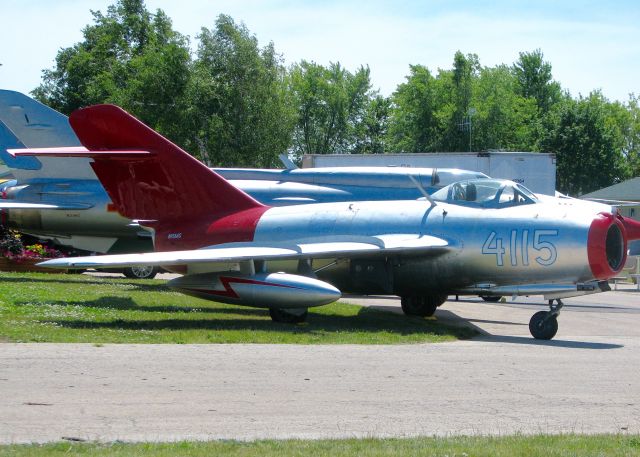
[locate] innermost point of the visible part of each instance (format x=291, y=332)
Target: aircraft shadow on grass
x=366, y=320
x=128, y=304
x=319, y=323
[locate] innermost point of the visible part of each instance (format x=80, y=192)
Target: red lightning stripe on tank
x=228, y=289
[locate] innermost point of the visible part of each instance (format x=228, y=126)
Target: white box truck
x=534, y=170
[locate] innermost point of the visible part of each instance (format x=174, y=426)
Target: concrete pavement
x=587, y=380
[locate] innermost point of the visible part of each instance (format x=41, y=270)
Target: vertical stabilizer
x=168, y=184
x=27, y=123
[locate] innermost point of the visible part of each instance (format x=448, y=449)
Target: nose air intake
x=606, y=246
x=615, y=243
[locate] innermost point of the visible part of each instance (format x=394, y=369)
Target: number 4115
x=522, y=247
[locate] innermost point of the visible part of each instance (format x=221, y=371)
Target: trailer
x=534, y=170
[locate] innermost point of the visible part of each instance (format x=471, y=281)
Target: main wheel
x=421, y=305
x=145, y=272
x=288, y=316
x=543, y=326
x=491, y=298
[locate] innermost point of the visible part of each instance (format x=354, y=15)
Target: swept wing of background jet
x=487, y=236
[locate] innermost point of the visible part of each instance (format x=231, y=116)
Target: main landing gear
x=544, y=324
x=421, y=305
x=491, y=298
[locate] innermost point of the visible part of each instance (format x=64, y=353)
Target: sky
x=590, y=44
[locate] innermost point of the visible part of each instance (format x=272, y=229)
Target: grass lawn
x=509, y=446
x=43, y=307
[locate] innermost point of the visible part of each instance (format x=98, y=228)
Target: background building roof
x=625, y=191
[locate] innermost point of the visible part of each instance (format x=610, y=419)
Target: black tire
x=421, y=305
x=543, y=326
x=285, y=317
x=145, y=272
x=491, y=298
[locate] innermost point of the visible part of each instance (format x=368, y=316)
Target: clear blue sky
x=590, y=44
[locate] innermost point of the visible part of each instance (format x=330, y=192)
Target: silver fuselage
x=537, y=243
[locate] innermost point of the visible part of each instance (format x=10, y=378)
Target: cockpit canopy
x=485, y=193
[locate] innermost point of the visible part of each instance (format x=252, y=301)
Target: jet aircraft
x=489, y=237
x=62, y=200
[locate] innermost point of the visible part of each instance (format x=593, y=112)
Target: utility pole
x=466, y=124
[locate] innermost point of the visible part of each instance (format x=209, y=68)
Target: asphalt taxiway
x=586, y=380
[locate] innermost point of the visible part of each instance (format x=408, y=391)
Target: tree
x=129, y=57
x=625, y=119
x=457, y=115
x=239, y=111
x=503, y=120
x=433, y=113
x=587, y=146
x=535, y=80
x=413, y=126
x=631, y=133
x=370, y=134
x=332, y=106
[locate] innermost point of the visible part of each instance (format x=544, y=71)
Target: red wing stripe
x=230, y=292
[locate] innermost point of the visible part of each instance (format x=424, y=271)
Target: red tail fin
x=168, y=184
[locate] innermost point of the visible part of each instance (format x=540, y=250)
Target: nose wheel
x=544, y=324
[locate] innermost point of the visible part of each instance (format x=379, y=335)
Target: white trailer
x=535, y=170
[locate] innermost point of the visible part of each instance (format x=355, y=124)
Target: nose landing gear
x=544, y=324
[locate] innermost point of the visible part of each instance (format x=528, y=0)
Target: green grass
x=42, y=307
x=509, y=446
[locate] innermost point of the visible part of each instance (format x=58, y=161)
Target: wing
x=405, y=245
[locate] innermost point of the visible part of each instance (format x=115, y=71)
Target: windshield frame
x=485, y=193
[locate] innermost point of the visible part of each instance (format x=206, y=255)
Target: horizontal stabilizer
x=78, y=151
x=5, y=204
x=238, y=252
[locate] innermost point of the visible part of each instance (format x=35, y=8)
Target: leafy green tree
x=240, y=111
x=129, y=57
x=536, y=81
x=370, y=134
x=459, y=110
x=624, y=118
x=413, y=125
x=503, y=119
x=432, y=114
x=631, y=133
x=467, y=107
x=332, y=106
x=586, y=144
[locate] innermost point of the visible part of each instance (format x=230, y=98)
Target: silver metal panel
x=538, y=243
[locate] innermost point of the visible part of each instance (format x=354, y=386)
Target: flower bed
x=22, y=265
x=14, y=256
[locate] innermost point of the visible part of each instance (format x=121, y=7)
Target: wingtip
x=60, y=263
x=53, y=263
